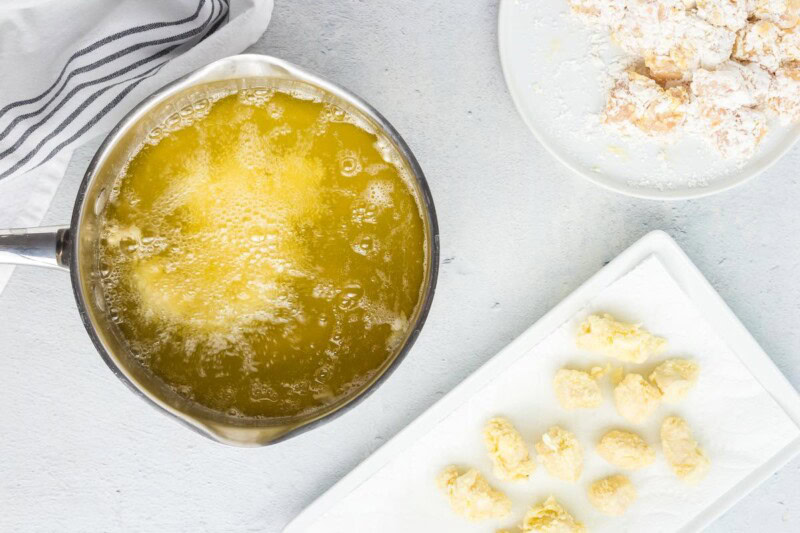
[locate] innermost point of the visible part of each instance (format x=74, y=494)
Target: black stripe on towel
x=103, y=112
x=102, y=42
x=92, y=66
x=139, y=78
x=222, y=20
x=67, y=121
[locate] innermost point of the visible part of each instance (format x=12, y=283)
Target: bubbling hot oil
x=266, y=259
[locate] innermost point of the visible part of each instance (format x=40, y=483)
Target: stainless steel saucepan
x=75, y=247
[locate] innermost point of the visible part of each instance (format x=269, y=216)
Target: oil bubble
x=364, y=245
x=349, y=163
x=349, y=297
x=323, y=373
x=260, y=391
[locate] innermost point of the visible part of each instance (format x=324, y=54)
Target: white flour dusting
x=714, y=69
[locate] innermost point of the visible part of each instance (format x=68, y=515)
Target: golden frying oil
x=264, y=260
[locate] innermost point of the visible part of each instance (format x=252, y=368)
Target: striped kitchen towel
x=72, y=68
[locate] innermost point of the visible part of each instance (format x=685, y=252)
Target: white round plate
x=555, y=70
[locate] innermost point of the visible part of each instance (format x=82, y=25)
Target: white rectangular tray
x=703, y=297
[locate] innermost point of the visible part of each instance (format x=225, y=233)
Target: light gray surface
x=79, y=452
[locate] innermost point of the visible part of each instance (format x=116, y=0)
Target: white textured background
x=79, y=452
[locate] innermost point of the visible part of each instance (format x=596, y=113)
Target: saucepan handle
x=45, y=246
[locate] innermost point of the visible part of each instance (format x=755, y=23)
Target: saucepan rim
x=219, y=426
